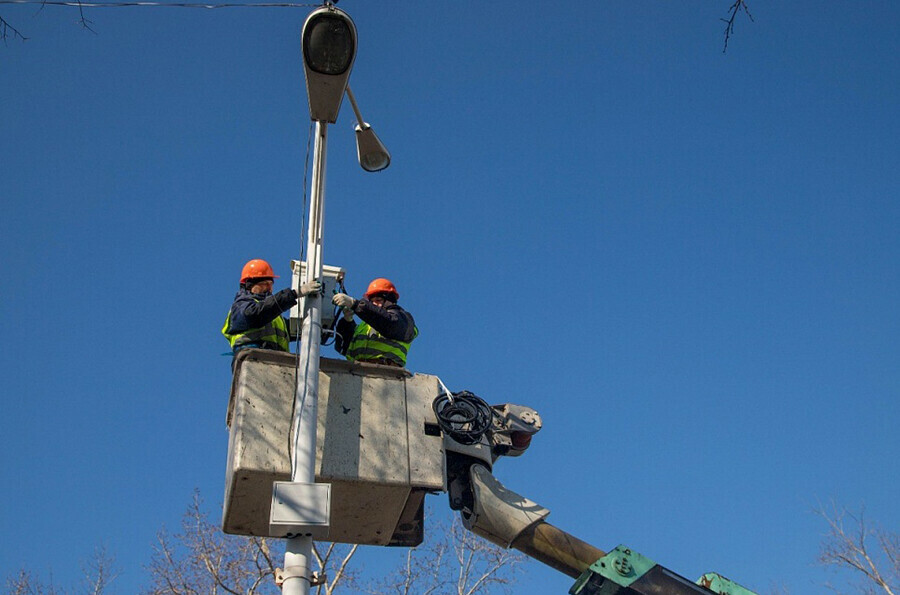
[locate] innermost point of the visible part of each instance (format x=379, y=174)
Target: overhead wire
x=162, y=4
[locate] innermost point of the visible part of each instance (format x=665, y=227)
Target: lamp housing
x=329, y=49
x=370, y=151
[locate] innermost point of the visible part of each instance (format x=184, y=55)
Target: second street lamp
x=372, y=154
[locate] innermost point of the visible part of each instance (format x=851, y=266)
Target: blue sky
x=686, y=261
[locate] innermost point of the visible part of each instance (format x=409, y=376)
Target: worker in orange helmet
x=255, y=317
x=386, y=330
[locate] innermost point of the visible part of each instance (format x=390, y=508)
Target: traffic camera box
x=331, y=279
x=377, y=444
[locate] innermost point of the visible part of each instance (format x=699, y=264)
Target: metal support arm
x=507, y=519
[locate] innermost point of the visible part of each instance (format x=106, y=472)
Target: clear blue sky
x=686, y=261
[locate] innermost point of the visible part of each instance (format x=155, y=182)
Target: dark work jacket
x=251, y=311
x=393, y=322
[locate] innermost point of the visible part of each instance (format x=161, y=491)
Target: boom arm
x=510, y=520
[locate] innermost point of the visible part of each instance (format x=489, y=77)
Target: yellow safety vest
x=274, y=333
x=368, y=344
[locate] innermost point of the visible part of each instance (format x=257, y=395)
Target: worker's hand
x=310, y=288
x=342, y=300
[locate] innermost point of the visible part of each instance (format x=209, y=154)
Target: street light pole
x=298, y=550
x=329, y=48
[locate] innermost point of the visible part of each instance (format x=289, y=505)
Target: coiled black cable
x=465, y=417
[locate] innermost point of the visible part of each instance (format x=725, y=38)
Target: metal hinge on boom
x=626, y=572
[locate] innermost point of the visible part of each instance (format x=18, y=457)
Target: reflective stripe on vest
x=275, y=332
x=368, y=344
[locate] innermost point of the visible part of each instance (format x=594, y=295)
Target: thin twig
x=6, y=29
x=732, y=14
x=85, y=23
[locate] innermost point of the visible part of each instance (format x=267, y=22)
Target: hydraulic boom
x=510, y=520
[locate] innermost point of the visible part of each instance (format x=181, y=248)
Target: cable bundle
x=463, y=416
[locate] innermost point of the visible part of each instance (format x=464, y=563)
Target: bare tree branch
x=201, y=559
x=320, y=559
x=336, y=571
x=25, y=583
x=732, y=14
x=890, y=545
x=6, y=30
x=485, y=562
x=85, y=23
x=456, y=561
x=846, y=546
x=99, y=571
x=339, y=574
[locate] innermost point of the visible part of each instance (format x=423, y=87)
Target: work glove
x=310, y=288
x=342, y=300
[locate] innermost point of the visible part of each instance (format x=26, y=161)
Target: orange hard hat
x=257, y=269
x=381, y=286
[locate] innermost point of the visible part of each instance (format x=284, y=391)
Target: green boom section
x=626, y=572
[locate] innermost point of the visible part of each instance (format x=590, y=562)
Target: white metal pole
x=298, y=552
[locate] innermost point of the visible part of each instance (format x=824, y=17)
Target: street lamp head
x=329, y=48
x=372, y=154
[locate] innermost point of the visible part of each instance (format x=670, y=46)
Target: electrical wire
x=164, y=4
x=303, y=230
x=463, y=416
x=334, y=319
